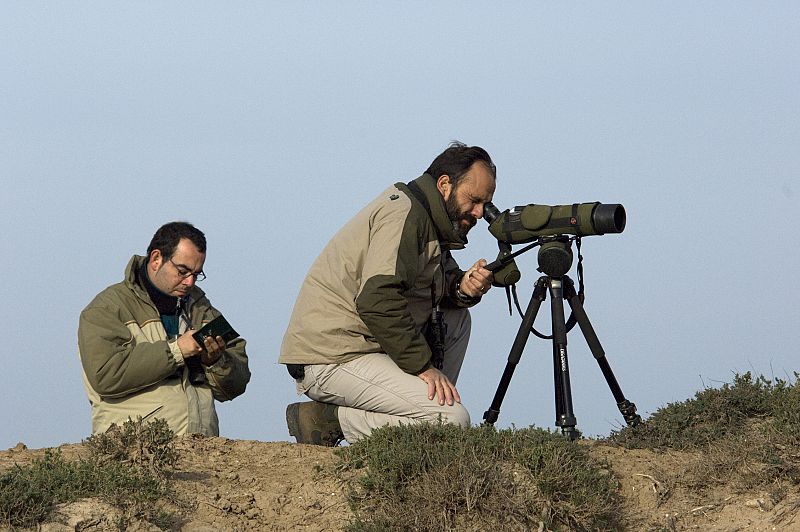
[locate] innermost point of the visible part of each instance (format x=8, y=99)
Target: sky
x=269, y=124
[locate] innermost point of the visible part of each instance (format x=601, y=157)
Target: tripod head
x=555, y=259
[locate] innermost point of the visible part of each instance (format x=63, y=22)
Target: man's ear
x=444, y=186
x=155, y=260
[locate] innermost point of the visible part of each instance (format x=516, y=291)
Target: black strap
x=574, y=220
x=580, y=267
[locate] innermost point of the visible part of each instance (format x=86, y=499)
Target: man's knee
x=456, y=415
x=460, y=416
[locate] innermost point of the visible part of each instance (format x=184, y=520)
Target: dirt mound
x=252, y=485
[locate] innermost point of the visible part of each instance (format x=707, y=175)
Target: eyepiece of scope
x=490, y=212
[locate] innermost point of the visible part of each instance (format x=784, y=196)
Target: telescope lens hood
x=608, y=218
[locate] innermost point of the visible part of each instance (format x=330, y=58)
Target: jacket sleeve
x=116, y=364
x=228, y=376
x=452, y=279
x=389, y=270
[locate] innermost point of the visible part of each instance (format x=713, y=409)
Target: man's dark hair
x=168, y=235
x=457, y=159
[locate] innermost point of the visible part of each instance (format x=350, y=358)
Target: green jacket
x=374, y=286
x=131, y=370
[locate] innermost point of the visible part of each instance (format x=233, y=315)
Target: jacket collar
x=134, y=282
x=433, y=202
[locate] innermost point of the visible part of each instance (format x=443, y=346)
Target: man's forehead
x=479, y=181
x=186, y=248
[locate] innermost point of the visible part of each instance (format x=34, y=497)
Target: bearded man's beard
x=457, y=217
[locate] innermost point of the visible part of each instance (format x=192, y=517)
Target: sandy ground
x=253, y=485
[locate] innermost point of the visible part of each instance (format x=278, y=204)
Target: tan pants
x=372, y=391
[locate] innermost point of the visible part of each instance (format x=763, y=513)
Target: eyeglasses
x=185, y=272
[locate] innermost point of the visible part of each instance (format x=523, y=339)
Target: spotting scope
x=530, y=222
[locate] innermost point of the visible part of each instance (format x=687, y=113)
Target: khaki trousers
x=372, y=391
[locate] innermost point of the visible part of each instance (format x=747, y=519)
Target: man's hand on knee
x=440, y=386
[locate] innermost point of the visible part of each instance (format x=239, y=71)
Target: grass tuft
x=127, y=468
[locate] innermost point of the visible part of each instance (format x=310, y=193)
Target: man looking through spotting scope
x=380, y=327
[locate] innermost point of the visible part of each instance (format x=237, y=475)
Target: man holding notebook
x=139, y=345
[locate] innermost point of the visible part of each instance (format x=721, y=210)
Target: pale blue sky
x=268, y=125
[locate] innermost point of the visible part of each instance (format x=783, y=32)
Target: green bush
x=443, y=477
x=716, y=414
x=753, y=421
x=127, y=468
x=28, y=494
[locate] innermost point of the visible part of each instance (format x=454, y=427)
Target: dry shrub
x=144, y=445
x=443, y=477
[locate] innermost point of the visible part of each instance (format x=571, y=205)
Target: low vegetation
x=128, y=468
x=428, y=477
x=442, y=477
x=742, y=437
x=746, y=432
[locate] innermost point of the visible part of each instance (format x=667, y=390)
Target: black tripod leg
x=626, y=408
x=539, y=293
x=565, y=416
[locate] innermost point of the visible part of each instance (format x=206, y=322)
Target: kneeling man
x=360, y=335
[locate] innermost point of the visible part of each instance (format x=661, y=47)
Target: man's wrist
x=177, y=354
x=425, y=368
x=465, y=298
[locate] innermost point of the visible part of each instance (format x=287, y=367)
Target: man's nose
x=477, y=212
x=190, y=281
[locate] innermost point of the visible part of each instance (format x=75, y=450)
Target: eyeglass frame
x=198, y=276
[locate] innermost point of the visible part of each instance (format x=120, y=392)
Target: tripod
x=560, y=288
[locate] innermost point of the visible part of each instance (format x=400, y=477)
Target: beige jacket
x=374, y=286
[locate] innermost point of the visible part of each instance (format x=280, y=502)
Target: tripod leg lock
x=490, y=416
x=566, y=420
x=628, y=411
